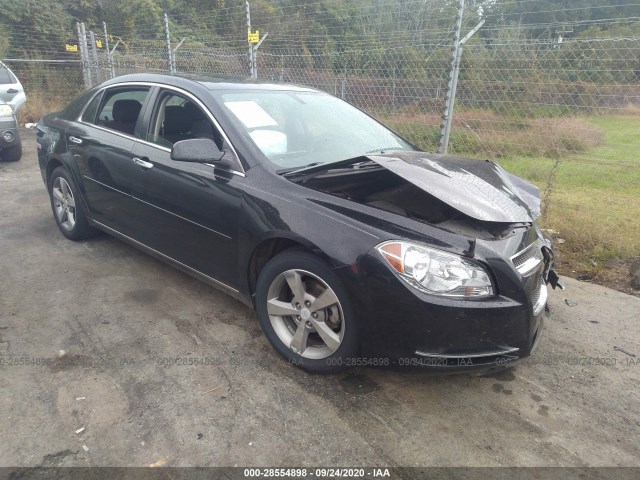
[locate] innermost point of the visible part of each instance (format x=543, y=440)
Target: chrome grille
x=528, y=260
x=539, y=298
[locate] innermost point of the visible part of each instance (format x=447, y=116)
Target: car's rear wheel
x=11, y=154
x=65, y=203
x=305, y=312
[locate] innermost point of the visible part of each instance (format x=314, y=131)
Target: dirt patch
x=613, y=273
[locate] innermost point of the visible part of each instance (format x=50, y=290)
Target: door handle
x=143, y=163
x=12, y=90
x=75, y=140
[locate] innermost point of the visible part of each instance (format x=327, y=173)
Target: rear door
x=191, y=210
x=101, y=143
x=11, y=90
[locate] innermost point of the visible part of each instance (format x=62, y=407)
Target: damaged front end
x=472, y=265
x=473, y=198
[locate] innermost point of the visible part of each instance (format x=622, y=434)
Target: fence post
x=255, y=55
x=454, y=88
x=112, y=73
x=82, y=43
x=173, y=54
x=251, y=52
x=344, y=81
x=255, y=62
x=393, y=91
x=168, y=37
x=447, y=116
x=94, y=54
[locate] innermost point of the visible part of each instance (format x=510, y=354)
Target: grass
x=594, y=201
x=491, y=135
x=37, y=105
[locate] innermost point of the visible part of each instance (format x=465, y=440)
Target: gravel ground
x=120, y=314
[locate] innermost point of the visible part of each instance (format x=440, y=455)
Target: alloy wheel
x=306, y=314
x=64, y=203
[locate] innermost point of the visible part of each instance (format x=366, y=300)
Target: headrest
x=176, y=120
x=126, y=110
x=194, y=112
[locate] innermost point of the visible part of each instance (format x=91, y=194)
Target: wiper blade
x=382, y=150
x=284, y=171
x=307, y=173
x=364, y=163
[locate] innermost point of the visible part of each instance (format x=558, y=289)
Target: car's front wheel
x=65, y=203
x=305, y=312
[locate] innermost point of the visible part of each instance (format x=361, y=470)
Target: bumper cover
x=9, y=125
x=411, y=328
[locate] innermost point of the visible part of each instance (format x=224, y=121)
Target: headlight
x=6, y=111
x=436, y=272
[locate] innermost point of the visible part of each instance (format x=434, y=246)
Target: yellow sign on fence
x=70, y=47
x=254, y=37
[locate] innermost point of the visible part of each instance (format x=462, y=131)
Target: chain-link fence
x=563, y=111
x=49, y=84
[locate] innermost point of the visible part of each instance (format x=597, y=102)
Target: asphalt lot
x=121, y=316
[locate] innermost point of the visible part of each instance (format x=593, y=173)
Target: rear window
x=89, y=114
x=120, y=108
x=6, y=76
x=74, y=108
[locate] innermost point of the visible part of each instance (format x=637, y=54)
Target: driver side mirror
x=199, y=150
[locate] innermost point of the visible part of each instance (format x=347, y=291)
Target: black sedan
x=354, y=247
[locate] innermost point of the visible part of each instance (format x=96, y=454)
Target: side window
x=178, y=118
x=120, y=108
x=5, y=76
x=89, y=114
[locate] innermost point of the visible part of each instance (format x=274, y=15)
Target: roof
x=209, y=82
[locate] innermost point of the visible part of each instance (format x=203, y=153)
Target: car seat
x=177, y=124
x=125, y=115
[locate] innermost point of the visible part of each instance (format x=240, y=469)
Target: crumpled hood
x=478, y=188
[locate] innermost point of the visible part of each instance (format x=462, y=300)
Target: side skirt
x=175, y=263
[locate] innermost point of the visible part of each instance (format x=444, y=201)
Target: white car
x=11, y=91
x=11, y=98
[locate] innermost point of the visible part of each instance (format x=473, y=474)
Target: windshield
x=296, y=129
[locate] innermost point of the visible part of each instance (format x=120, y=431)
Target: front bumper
x=9, y=125
x=406, y=327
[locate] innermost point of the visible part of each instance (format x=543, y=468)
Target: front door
x=191, y=210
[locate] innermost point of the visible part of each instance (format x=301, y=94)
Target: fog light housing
x=8, y=136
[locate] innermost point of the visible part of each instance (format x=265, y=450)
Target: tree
x=35, y=26
x=547, y=17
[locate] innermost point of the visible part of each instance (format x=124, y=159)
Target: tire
x=66, y=206
x=12, y=154
x=317, y=334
